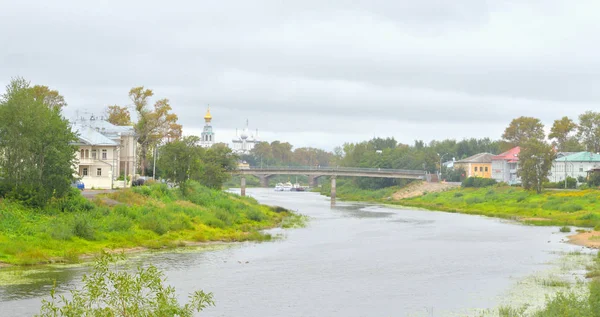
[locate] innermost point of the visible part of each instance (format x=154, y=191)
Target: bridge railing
x=332, y=169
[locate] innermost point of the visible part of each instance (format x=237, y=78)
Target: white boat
x=279, y=187
x=287, y=187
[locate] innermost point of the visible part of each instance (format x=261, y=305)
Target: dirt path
x=91, y=195
x=419, y=188
x=590, y=239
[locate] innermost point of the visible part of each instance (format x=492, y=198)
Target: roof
x=478, y=158
x=511, y=155
x=103, y=126
x=580, y=157
x=207, y=116
x=90, y=136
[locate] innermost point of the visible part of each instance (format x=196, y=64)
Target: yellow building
x=478, y=165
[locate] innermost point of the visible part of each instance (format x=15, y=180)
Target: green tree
x=217, y=162
x=119, y=293
x=535, y=161
x=522, y=129
x=563, y=133
x=36, y=151
x=589, y=131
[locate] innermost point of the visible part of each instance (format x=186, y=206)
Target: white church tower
x=207, y=138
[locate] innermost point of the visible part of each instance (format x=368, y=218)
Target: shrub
x=458, y=194
x=83, y=228
x=565, y=229
x=256, y=215
x=153, y=223
x=571, y=207
x=473, y=200
x=478, y=182
x=118, y=292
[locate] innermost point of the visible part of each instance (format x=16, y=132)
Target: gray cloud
x=316, y=73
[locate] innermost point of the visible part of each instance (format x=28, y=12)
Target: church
x=207, y=137
x=245, y=141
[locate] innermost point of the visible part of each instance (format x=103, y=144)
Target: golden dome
x=207, y=116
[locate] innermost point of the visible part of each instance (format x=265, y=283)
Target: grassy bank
x=148, y=216
x=575, y=208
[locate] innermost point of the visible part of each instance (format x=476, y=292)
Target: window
x=104, y=154
x=475, y=168
x=84, y=171
x=486, y=168
x=87, y=153
x=94, y=154
x=81, y=154
x=98, y=172
x=581, y=168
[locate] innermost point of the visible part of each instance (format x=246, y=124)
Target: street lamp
x=441, y=159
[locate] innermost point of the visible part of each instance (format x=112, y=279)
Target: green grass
x=551, y=208
x=148, y=216
x=346, y=190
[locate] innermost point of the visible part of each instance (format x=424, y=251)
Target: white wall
x=560, y=171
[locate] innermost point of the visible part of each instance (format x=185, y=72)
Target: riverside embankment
x=141, y=218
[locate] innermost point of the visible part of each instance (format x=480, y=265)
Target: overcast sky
x=316, y=73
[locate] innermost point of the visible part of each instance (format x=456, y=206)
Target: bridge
x=313, y=173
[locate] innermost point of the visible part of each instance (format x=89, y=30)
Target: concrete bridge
x=313, y=173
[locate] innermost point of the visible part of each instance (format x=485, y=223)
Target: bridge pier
x=264, y=180
x=243, y=186
x=313, y=181
x=333, y=190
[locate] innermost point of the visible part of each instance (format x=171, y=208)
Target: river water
x=351, y=260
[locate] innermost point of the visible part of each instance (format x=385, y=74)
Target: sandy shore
x=590, y=239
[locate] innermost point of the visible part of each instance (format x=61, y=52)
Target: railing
x=332, y=169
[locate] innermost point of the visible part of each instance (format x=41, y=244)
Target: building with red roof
x=505, y=166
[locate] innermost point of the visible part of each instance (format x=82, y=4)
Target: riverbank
x=146, y=217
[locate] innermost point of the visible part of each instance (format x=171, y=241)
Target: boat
x=287, y=187
x=297, y=188
x=279, y=187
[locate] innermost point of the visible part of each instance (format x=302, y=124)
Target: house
x=575, y=165
x=96, y=159
x=478, y=165
x=101, y=142
x=505, y=166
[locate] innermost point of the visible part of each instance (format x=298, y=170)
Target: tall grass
x=150, y=216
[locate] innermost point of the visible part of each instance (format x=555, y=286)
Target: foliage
x=589, y=130
x=35, y=141
x=279, y=153
x=565, y=229
x=478, y=182
x=119, y=116
x=51, y=98
x=454, y=174
x=594, y=179
x=522, y=129
x=535, y=162
x=183, y=160
x=117, y=292
x=571, y=183
x=562, y=132
x=151, y=216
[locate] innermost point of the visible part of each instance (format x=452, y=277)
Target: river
x=353, y=259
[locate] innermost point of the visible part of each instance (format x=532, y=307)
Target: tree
x=154, y=125
x=117, y=292
x=535, y=161
x=118, y=115
x=563, y=134
x=217, y=162
x=36, y=151
x=51, y=98
x=523, y=129
x=589, y=130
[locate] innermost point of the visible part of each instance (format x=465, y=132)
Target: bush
x=478, y=182
x=118, y=292
x=83, y=228
x=473, y=200
x=565, y=229
x=458, y=194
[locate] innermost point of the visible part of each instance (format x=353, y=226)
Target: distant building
x=574, y=165
x=245, y=141
x=105, y=151
x=207, y=137
x=478, y=165
x=505, y=166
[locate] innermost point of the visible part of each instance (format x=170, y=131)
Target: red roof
x=511, y=155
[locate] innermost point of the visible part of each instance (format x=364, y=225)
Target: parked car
x=78, y=184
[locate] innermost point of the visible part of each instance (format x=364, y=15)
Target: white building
x=207, y=137
x=245, y=141
x=106, y=151
x=574, y=165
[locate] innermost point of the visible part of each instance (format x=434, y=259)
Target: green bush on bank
x=147, y=216
x=478, y=182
